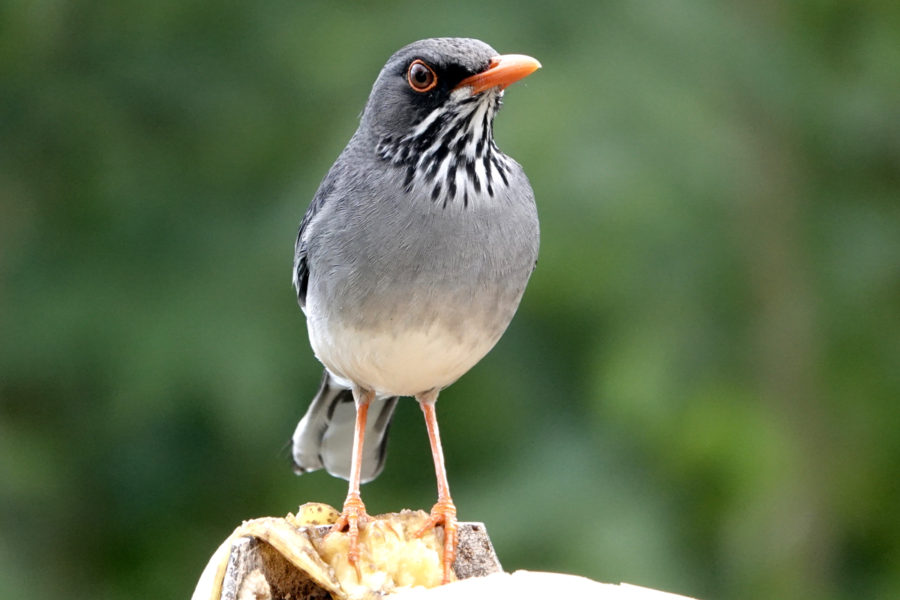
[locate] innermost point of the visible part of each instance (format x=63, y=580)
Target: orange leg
x=444, y=512
x=354, y=511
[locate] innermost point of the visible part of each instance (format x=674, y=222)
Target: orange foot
x=352, y=516
x=444, y=513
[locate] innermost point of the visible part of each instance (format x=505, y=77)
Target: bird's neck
x=450, y=155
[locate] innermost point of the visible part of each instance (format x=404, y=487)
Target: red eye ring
x=420, y=76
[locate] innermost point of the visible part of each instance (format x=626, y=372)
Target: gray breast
x=395, y=257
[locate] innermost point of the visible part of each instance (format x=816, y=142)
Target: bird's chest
x=416, y=301
x=414, y=266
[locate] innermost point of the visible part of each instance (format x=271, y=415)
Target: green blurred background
x=699, y=392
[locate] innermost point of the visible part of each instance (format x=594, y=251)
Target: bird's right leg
x=354, y=511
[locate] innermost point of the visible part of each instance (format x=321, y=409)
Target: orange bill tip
x=504, y=70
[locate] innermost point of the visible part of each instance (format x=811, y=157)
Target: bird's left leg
x=354, y=511
x=444, y=511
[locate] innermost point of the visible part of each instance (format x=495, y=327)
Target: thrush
x=411, y=261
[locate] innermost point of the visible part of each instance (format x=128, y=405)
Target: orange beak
x=503, y=70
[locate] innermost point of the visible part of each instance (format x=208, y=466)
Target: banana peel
x=297, y=556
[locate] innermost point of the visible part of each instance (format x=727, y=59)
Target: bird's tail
x=324, y=436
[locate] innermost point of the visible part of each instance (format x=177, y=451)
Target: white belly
x=405, y=363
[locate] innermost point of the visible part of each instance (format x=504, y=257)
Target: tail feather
x=324, y=436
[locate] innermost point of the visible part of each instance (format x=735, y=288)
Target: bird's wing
x=301, y=264
x=301, y=267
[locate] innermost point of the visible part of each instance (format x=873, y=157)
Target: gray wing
x=324, y=437
x=301, y=264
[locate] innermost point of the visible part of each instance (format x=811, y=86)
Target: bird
x=410, y=262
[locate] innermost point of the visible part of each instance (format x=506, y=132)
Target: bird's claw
x=352, y=516
x=444, y=513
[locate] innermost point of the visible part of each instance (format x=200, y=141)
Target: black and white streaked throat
x=450, y=155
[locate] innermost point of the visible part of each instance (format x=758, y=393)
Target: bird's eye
x=420, y=76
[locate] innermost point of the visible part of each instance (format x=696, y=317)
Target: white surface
x=533, y=584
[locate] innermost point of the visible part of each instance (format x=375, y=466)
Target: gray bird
x=411, y=260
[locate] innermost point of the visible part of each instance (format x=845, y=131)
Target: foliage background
x=699, y=392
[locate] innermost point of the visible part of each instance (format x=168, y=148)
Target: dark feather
x=324, y=437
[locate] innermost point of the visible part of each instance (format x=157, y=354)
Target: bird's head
x=432, y=107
